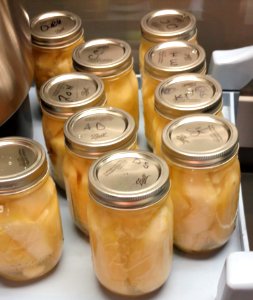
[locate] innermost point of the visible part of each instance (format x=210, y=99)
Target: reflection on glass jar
x=112, y=60
x=30, y=225
x=162, y=61
x=54, y=36
x=88, y=135
x=61, y=96
x=164, y=26
x=182, y=95
x=201, y=151
x=130, y=221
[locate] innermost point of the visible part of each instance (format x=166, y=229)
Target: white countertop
x=73, y=279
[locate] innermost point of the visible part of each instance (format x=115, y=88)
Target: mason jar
x=54, y=36
x=112, y=61
x=182, y=95
x=162, y=61
x=88, y=135
x=31, y=236
x=130, y=221
x=163, y=26
x=202, y=153
x=60, y=97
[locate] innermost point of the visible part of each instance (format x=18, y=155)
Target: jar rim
x=200, y=141
x=23, y=164
x=65, y=94
x=103, y=57
x=188, y=93
x=56, y=29
x=128, y=179
x=155, y=29
x=92, y=132
x=158, y=64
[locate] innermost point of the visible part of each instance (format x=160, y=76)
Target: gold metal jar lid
x=171, y=58
x=128, y=179
x=103, y=57
x=200, y=141
x=188, y=93
x=22, y=164
x=56, y=29
x=66, y=94
x=167, y=25
x=94, y=131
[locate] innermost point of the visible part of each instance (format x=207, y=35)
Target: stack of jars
x=189, y=131
x=133, y=204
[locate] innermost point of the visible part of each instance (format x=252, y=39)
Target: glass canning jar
x=162, y=61
x=130, y=221
x=202, y=153
x=163, y=26
x=112, y=60
x=88, y=135
x=60, y=97
x=31, y=236
x=182, y=95
x=54, y=36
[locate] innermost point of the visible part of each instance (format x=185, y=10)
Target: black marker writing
x=142, y=180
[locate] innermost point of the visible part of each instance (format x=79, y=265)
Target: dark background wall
x=222, y=24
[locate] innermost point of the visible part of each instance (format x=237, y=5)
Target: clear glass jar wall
x=31, y=236
x=201, y=152
x=163, y=26
x=181, y=95
x=54, y=36
x=60, y=97
x=112, y=61
x=163, y=61
x=88, y=135
x=130, y=219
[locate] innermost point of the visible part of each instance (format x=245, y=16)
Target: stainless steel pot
x=16, y=66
